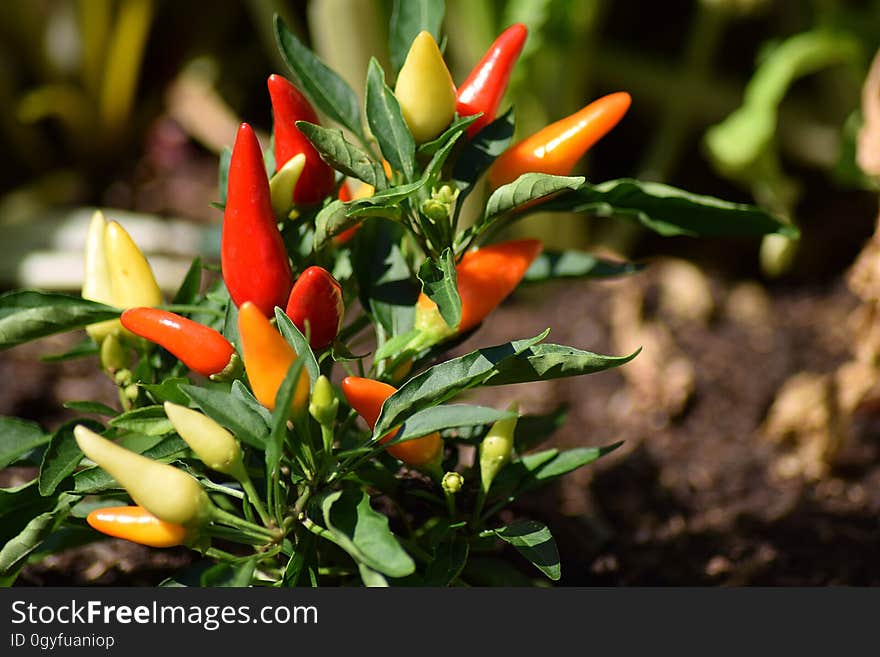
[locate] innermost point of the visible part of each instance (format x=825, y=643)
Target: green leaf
x=241, y=393
x=19, y=437
x=302, y=562
x=278, y=433
x=364, y=533
x=18, y=506
x=243, y=421
x=445, y=380
x=387, y=198
x=554, y=265
x=440, y=285
x=30, y=314
x=238, y=575
x=168, y=390
x=148, y=420
x=95, y=480
x=223, y=173
x=62, y=456
x=324, y=87
x=408, y=18
x=668, y=210
x=332, y=220
x=479, y=152
x=299, y=343
x=189, y=289
x=91, y=407
x=535, y=542
x=437, y=418
x=449, y=560
x=82, y=349
x=16, y=551
x=387, y=123
x=342, y=155
x=458, y=126
x=384, y=282
x=527, y=188
x=544, y=362
x=230, y=326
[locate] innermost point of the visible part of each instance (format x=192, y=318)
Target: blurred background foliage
x=126, y=104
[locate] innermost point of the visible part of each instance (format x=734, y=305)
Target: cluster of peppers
x=173, y=507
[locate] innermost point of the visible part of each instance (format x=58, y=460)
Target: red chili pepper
x=556, y=148
x=252, y=253
x=366, y=396
x=201, y=348
x=315, y=306
x=485, y=86
x=317, y=179
x=486, y=277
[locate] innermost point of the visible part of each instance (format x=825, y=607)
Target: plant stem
x=248, y=528
x=254, y=499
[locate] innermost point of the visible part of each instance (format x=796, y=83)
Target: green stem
x=248, y=528
x=254, y=499
x=317, y=530
x=478, y=508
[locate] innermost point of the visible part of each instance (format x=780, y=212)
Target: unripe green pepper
x=496, y=448
x=168, y=493
x=425, y=89
x=214, y=445
x=324, y=403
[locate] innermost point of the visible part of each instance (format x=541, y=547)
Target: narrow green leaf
x=445, y=380
x=91, y=407
x=168, y=390
x=148, y=420
x=458, y=126
x=387, y=123
x=535, y=542
x=19, y=437
x=325, y=88
x=342, y=155
x=242, y=420
x=31, y=314
x=449, y=560
x=189, y=289
x=223, y=173
x=83, y=349
x=544, y=362
x=668, y=210
x=408, y=18
x=16, y=551
x=299, y=343
x=527, y=188
x=302, y=561
x=554, y=265
x=437, y=418
x=62, y=456
x=238, y=575
x=440, y=285
x=278, y=434
x=388, y=197
x=332, y=220
x=230, y=326
x=385, y=285
x=243, y=394
x=479, y=153
x=364, y=533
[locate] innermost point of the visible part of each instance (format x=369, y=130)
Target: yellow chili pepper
x=425, y=89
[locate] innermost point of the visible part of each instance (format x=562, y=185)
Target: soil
x=697, y=494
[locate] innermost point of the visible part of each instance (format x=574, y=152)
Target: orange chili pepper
x=136, y=524
x=366, y=396
x=267, y=358
x=556, y=148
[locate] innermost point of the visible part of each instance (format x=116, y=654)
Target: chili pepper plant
x=295, y=415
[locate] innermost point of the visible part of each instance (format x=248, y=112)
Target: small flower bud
x=452, y=482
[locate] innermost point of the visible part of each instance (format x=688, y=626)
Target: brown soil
x=696, y=496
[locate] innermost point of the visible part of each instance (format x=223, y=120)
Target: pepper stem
x=253, y=497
